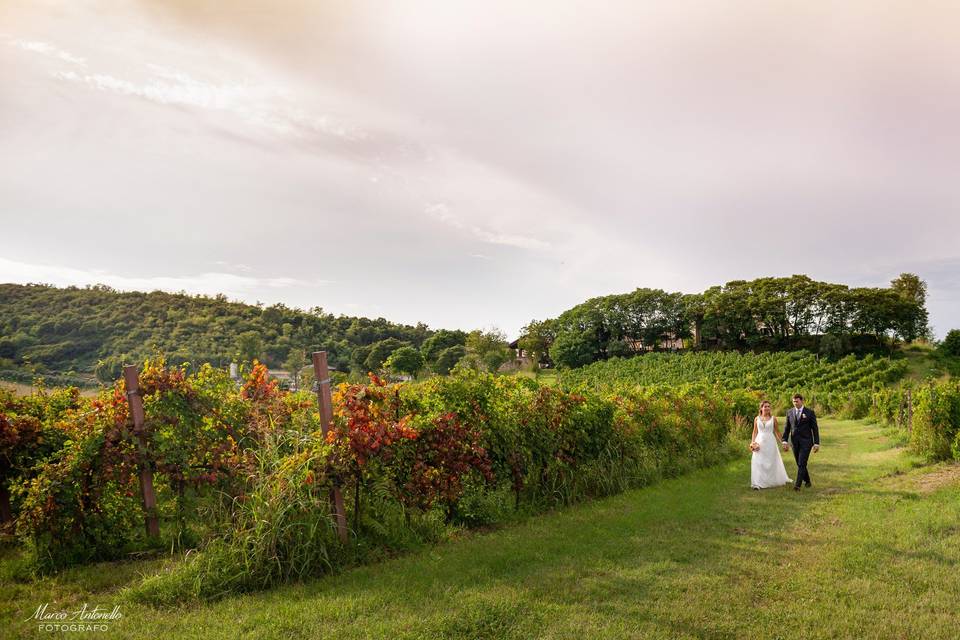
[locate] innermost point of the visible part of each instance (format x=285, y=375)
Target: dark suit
x=802, y=432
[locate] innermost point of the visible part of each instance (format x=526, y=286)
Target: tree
x=110, y=368
x=296, y=361
x=833, y=345
x=913, y=323
x=619, y=349
x=405, y=360
x=470, y=362
x=380, y=351
x=590, y=326
x=249, y=346
x=951, y=344
x=573, y=349
x=490, y=347
x=448, y=359
x=439, y=341
x=358, y=359
x=536, y=340
x=911, y=287
x=693, y=309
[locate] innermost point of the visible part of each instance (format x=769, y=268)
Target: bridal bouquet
x=754, y=446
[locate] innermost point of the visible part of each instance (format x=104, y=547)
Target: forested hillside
x=96, y=329
x=75, y=328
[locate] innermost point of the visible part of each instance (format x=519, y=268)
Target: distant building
x=522, y=358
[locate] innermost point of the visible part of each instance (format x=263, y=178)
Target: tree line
x=762, y=314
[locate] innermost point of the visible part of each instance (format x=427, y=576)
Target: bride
x=766, y=467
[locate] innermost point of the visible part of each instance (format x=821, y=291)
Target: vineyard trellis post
x=149, y=497
x=322, y=374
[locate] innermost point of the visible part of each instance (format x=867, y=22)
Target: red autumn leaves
x=426, y=463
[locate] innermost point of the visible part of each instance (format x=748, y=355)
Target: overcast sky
x=470, y=164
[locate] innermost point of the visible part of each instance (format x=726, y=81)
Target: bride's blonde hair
x=760, y=409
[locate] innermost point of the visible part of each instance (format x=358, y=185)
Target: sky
x=478, y=164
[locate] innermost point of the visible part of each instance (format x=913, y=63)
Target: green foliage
x=405, y=360
x=415, y=459
x=536, y=339
x=614, y=566
x=929, y=413
x=280, y=531
x=489, y=348
x=380, y=351
x=950, y=346
x=834, y=345
x=829, y=386
x=913, y=324
x=200, y=432
x=249, y=346
x=439, y=342
x=30, y=434
x=74, y=328
x=573, y=350
x=766, y=313
x=936, y=420
x=448, y=358
x=296, y=361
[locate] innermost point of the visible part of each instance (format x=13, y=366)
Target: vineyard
x=828, y=385
x=245, y=474
x=928, y=414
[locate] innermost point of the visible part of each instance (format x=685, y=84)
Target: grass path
x=869, y=552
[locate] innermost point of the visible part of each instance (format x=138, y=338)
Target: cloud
x=596, y=147
x=256, y=105
x=392, y=150
x=441, y=212
x=47, y=49
x=236, y=267
x=209, y=283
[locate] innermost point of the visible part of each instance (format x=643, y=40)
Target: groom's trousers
x=801, y=453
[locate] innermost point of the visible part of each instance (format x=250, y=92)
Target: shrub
x=951, y=344
x=936, y=419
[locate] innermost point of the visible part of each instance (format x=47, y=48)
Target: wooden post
x=322, y=374
x=6, y=512
x=149, y=497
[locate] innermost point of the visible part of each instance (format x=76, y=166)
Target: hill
x=96, y=329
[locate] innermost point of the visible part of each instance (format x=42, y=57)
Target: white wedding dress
x=766, y=467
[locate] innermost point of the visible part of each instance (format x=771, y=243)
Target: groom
x=802, y=425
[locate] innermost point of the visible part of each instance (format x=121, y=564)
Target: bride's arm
x=753, y=438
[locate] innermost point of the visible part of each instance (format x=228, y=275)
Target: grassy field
x=869, y=552
x=921, y=363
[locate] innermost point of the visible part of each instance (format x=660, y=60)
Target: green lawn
x=869, y=552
